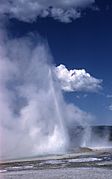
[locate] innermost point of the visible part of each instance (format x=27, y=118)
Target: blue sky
x=84, y=43
x=81, y=41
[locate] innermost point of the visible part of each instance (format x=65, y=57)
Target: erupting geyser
x=33, y=114
x=31, y=106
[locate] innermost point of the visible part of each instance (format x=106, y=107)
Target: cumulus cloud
x=110, y=107
x=77, y=80
x=109, y=96
x=29, y=10
x=65, y=16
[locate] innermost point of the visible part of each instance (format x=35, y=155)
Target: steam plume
x=34, y=116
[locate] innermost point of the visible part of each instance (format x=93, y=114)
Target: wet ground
x=86, y=164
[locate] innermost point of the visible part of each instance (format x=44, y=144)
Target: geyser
x=30, y=104
x=34, y=116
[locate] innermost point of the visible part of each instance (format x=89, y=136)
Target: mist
x=34, y=117
x=100, y=137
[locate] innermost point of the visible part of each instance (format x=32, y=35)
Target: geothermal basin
x=81, y=163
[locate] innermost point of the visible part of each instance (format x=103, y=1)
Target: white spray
x=34, y=116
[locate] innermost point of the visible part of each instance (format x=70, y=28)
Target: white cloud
x=29, y=10
x=109, y=96
x=77, y=80
x=110, y=107
x=65, y=16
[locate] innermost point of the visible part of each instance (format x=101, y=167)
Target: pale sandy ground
x=67, y=173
